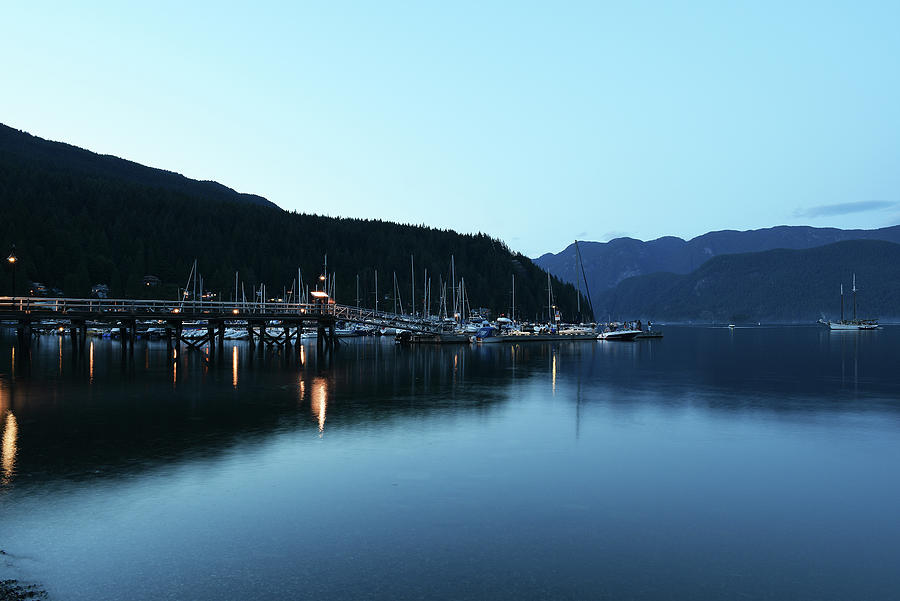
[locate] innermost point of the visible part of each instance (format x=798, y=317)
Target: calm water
x=759, y=463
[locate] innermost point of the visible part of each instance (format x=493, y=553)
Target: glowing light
x=302, y=355
x=176, y=310
x=91, y=363
x=234, y=366
x=11, y=259
x=9, y=448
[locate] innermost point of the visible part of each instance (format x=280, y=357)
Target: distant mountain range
x=59, y=156
x=631, y=278
x=608, y=263
x=776, y=285
x=78, y=219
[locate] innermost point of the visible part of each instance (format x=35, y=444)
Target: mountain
x=608, y=263
x=776, y=285
x=60, y=157
x=78, y=219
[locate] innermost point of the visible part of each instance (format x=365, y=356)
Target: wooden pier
x=207, y=320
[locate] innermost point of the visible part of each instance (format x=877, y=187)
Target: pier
x=268, y=323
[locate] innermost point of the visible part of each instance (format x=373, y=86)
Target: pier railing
x=106, y=309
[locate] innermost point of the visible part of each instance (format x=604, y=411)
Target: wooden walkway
x=207, y=320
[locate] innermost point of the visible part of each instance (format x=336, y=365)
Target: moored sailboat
x=855, y=323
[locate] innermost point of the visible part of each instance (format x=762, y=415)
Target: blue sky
x=534, y=122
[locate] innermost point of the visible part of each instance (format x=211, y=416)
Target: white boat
x=621, y=335
x=852, y=324
x=491, y=335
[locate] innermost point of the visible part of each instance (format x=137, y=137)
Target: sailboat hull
x=844, y=326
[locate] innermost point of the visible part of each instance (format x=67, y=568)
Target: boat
x=854, y=324
x=407, y=337
x=620, y=335
x=492, y=335
x=649, y=334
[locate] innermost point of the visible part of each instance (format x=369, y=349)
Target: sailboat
x=852, y=324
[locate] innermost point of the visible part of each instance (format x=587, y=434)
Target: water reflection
x=8, y=452
x=367, y=382
x=554, y=373
x=234, y=366
x=319, y=401
x=429, y=445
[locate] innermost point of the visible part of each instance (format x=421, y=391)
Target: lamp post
x=12, y=259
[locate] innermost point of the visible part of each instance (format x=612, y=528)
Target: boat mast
x=412, y=285
x=549, y=301
x=854, y=297
x=376, y=291
x=512, y=315
x=842, y=302
x=453, y=285
x=577, y=285
x=587, y=289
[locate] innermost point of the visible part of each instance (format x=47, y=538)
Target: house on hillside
x=151, y=281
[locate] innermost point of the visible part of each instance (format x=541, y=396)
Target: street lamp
x=12, y=259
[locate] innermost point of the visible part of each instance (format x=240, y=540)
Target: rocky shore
x=13, y=590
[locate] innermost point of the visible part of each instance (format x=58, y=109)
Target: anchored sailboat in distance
x=852, y=324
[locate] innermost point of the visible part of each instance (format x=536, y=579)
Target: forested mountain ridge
x=608, y=263
x=75, y=227
x=59, y=156
x=776, y=286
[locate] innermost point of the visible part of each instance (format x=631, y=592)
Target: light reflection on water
x=319, y=401
x=10, y=436
x=699, y=466
x=234, y=366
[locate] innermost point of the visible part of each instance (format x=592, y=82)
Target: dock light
x=235, y=311
x=322, y=278
x=318, y=294
x=176, y=310
x=12, y=259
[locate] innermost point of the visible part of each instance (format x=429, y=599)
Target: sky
x=537, y=123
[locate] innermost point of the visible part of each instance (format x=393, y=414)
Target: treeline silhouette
x=75, y=226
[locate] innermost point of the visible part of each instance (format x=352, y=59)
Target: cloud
x=614, y=234
x=845, y=208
